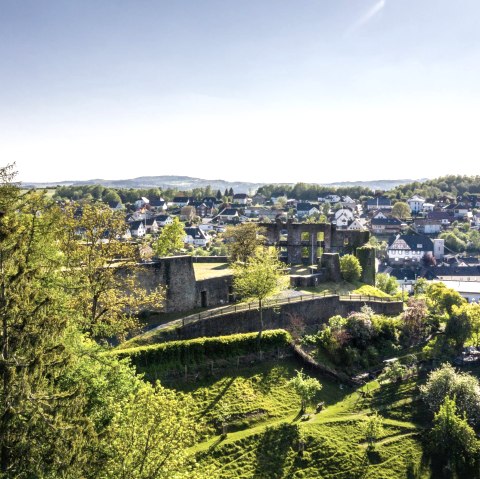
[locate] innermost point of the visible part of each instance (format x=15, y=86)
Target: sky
x=247, y=90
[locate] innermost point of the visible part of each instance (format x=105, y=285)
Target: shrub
x=350, y=268
x=197, y=351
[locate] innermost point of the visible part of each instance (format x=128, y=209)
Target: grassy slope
x=265, y=428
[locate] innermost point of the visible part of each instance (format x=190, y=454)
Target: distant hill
x=164, y=182
x=188, y=183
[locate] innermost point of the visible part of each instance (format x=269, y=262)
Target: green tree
x=414, y=321
x=459, y=326
x=261, y=277
x=170, y=239
x=373, y=428
x=401, y=210
x=243, y=240
x=350, y=268
x=101, y=270
x=39, y=425
x=306, y=388
x=148, y=437
x=446, y=382
x=386, y=283
x=452, y=438
x=442, y=299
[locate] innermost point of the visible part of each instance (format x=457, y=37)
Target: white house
x=306, y=209
x=427, y=207
x=163, y=220
x=137, y=229
x=379, y=203
x=241, y=199
x=141, y=202
x=347, y=212
x=416, y=203
x=409, y=248
x=195, y=236
x=356, y=225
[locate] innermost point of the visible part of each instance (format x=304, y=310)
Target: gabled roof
x=181, y=199
x=195, y=233
x=150, y=221
x=162, y=218
x=157, y=203
x=380, y=200
x=240, y=196
x=385, y=221
x=414, y=241
x=440, y=215
x=305, y=206
x=134, y=225
x=229, y=212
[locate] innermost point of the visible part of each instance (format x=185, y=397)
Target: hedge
x=198, y=350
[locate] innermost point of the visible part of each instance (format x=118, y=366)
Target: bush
x=197, y=351
x=350, y=268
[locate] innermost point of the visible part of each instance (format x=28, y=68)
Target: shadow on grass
x=275, y=446
x=219, y=396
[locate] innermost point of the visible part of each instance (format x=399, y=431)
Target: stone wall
x=312, y=313
x=183, y=292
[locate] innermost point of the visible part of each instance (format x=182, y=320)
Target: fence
x=236, y=308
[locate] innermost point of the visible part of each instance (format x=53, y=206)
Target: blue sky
x=264, y=91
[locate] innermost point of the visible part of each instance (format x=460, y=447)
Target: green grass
x=265, y=431
x=211, y=270
x=331, y=287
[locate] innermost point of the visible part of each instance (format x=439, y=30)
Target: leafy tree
x=40, y=428
x=459, y=326
x=373, y=428
x=474, y=313
x=446, y=382
x=401, y=210
x=350, y=268
x=420, y=286
x=386, y=283
x=100, y=270
x=414, y=321
x=111, y=196
x=261, y=277
x=148, y=437
x=170, y=239
x=243, y=240
x=442, y=299
x=451, y=437
x=393, y=372
x=306, y=388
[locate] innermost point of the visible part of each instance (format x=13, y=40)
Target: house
x=416, y=204
x=201, y=208
x=381, y=225
x=151, y=226
x=332, y=199
x=427, y=226
x=196, y=237
x=137, y=229
x=445, y=217
x=158, y=205
x=356, y=225
x=163, y=220
x=379, y=203
x=141, y=202
x=459, y=210
x=476, y=219
x=259, y=199
x=228, y=215
x=306, y=209
x=427, y=207
x=180, y=201
x=409, y=248
x=241, y=199
x=347, y=212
